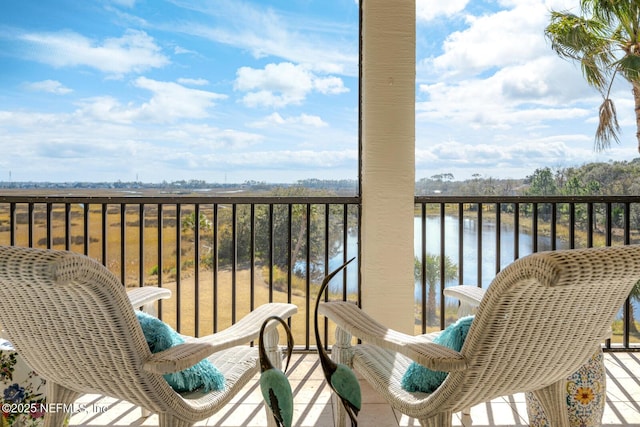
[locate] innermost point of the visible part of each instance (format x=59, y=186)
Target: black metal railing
x=488, y=233
x=223, y=256
x=220, y=256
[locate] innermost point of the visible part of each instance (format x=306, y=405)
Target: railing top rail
x=258, y=200
x=177, y=199
x=527, y=199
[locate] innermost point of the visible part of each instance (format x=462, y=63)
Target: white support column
x=388, y=160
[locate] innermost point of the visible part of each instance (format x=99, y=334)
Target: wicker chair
x=73, y=322
x=540, y=319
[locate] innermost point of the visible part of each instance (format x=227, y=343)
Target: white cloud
x=507, y=37
x=193, y=82
x=276, y=119
x=88, y=147
x=329, y=85
x=299, y=159
x=264, y=32
x=511, y=159
x=278, y=85
x=172, y=101
x=426, y=10
x=205, y=136
x=182, y=51
x=134, y=52
x=50, y=86
x=523, y=96
x=169, y=102
x=498, y=79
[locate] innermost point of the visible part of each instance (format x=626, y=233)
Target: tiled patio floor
x=313, y=403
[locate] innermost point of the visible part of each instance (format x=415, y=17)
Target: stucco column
x=388, y=160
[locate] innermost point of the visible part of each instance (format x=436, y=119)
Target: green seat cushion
x=420, y=378
x=160, y=336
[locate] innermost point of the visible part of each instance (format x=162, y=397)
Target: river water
x=470, y=250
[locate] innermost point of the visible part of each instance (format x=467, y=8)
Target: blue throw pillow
x=161, y=336
x=419, y=378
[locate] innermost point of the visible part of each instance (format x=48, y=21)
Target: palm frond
x=629, y=66
x=584, y=40
x=608, y=127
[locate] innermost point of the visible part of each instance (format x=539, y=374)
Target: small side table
x=586, y=396
x=22, y=391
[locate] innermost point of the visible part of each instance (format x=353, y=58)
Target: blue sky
x=232, y=90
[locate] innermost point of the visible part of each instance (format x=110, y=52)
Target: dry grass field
x=194, y=303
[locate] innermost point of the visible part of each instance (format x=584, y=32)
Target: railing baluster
x=40, y=221
x=49, y=224
x=307, y=304
x=590, y=224
x=534, y=226
x=289, y=250
x=442, y=263
x=271, y=250
x=123, y=243
x=31, y=220
x=160, y=252
x=252, y=255
x=626, y=310
x=423, y=269
x=12, y=223
x=479, y=246
x=214, y=266
x=196, y=272
x=178, y=296
x=67, y=226
x=554, y=219
x=498, y=236
x=460, y=244
x=345, y=245
x=141, y=227
x=103, y=223
x=234, y=261
x=516, y=230
x=572, y=225
x=86, y=224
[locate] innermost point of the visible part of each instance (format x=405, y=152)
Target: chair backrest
x=70, y=319
x=541, y=318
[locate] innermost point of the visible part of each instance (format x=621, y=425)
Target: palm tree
x=432, y=278
x=605, y=40
x=634, y=296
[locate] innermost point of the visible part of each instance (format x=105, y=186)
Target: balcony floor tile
x=314, y=407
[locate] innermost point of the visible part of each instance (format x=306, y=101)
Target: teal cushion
x=419, y=378
x=160, y=337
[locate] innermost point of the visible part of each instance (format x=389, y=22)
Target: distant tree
x=432, y=279
x=189, y=222
x=604, y=40
x=542, y=183
x=635, y=295
x=282, y=225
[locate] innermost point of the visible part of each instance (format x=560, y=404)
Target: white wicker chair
x=540, y=319
x=73, y=322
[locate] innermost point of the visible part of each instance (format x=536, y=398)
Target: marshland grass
x=197, y=303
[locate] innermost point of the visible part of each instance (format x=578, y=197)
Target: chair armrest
x=247, y=329
x=146, y=295
x=352, y=319
x=179, y=357
x=467, y=294
x=194, y=350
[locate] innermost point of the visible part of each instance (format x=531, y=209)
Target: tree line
x=591, y=179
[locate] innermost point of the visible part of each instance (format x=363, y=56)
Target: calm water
x=470, y=242
x=470, y=245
